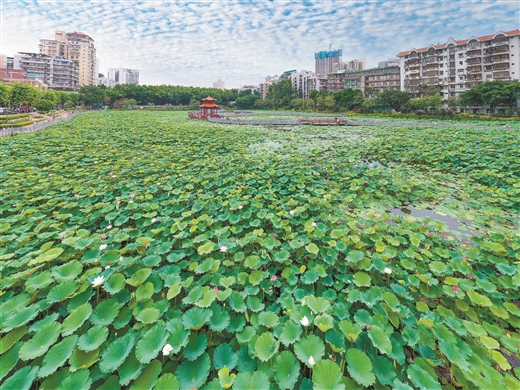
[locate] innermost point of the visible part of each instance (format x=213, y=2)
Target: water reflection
x=453, y=224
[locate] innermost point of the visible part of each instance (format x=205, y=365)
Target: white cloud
x=239, y=41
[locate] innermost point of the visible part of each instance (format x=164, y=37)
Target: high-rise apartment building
x=264, y=88
x=124, y=76
x=305, y=82
x=77, y=47
x=219, y=84
x=458, y=65
x=327, y=61
x=389, y=62
x=372, y=80
x=55, y=71
x=353, y=65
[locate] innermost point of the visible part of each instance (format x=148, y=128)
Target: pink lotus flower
x=430, y=234
x=469, y=276
x=455, y=289
x=104, y=236
x=103, y=247
x=162, y=294
x=314, y=224
x=132, y=195
x=118, y=201
x=147, y=245
x=273, y=278
x=275, y=235
x=63, y=233
x=216, y=289
x=76, y=195
x=367, y=327
x=223, y=248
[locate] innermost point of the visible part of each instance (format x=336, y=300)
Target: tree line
x=280, y=95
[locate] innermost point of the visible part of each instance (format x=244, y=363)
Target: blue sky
x=243, y=41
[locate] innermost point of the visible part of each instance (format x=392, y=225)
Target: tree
x=493, y=93
x=390, y=98
x=23, y=94
x=44, y=105
x=425, y=103
x=349, y=98
x=281, y=93
x=91, y=94
x=5, y=92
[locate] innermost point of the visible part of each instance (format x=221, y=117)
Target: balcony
x=501, y=75
x=496, y=50
x=500, y=59
x=475, y=53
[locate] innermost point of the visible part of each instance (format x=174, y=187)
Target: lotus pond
x=145, y=250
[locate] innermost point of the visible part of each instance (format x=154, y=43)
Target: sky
x=195, y=43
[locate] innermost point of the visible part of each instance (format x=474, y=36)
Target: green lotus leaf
x=144, y=292
x=173, y=291
x=193, y=374
x=359, y=367
x=21, y=379
x=116, y=353
x=115, y=283
x=80, y=380
x=257, y=380
x=57, y=356
x=208, y=297
x=422, y=378
x=143, y=241
x=224, y=357
x=82, y=243
x=139, y=277
x=286, y=370
x=9, y=360
x=196, y=346
x=268, y=319
x=62, y=291
x=193, y=295
x=384, y=370
x=489, y=343
x=236, y=302
x=312, y=248
x=120, y=237
x=179, y=338
x=12, y=338
x=350, y=331
x=94, y=337
x=324, y=322
x=254, y=304
x=148, y=376
x=225, y=378
x=380, y=340
x=256, y=277
x=355, y=256
x=19, y=318
x=479, y=299
x=167, y=382
x=317, y=304
x=219, y=320
x=362, y=279
x=129, y=370
x=80, y=359
x=151, y=343
x=38, y=281
x=281, y=256
x=227, y=281
x=326, y=375
x=309, y=346
x=105, y=312
x=290, y=333
x=152, y=261
x=46, y=256
x=76, y=318
x=148, y=315
x=196, y=318
x=67, y=271
x=310, y=277
x=206, y=248
x=266, y=346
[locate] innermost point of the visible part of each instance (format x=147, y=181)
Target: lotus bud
x=304, y=321
x=311, y=361
x=167, y=349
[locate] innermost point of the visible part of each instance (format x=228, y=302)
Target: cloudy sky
x=243, y=41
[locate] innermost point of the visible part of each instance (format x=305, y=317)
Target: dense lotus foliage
x=145, y=250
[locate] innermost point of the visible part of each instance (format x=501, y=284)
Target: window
x=461, y=62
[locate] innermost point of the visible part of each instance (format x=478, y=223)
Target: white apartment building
x=55, y=71
x=107, y=82
x=124, y=76
x=458, y=65
x=77, y=47
x=305, y=82
x=353, y=65
x=389, y=62
x=253, y=88
x=219, y=85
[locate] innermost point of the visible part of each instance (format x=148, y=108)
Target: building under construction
x=325, y=61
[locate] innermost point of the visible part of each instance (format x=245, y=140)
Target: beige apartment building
x=74, y=46
x=458, y=65
x=376, y=79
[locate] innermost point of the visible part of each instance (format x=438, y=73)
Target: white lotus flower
x=311, y=361
x=304, y=321
x=223, y=248
x=98, y=281
x=102, y=247
x=154, y=219
x=109, y=227
x=167, y=349
x=387, y=271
